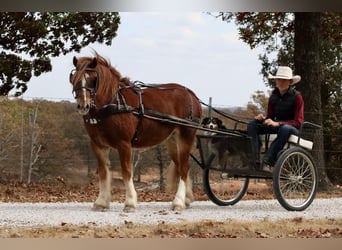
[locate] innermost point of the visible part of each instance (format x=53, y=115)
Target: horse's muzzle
x=83, y=109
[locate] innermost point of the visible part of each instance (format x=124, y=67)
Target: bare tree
x=136, y=159
x=5, y=139
x=35, y=147
x=161, y=167
x=6, y=145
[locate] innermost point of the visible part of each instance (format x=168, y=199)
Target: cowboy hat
x=284, y=72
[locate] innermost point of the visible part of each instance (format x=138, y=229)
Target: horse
x=122, y=115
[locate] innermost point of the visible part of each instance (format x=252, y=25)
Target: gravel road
x=39, y=214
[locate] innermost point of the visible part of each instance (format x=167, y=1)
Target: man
x=285, y=115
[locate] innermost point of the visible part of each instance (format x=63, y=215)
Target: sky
x=194, y=49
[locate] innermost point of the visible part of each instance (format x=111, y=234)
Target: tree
x=311, y=44
x=10, y=124
x=260, y=102
x=29, y=39
x=136, y=158
x=35, y=147
x=5, y=141
x=307, y=64
x=159, y=153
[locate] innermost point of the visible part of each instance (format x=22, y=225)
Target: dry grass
x=295, y=228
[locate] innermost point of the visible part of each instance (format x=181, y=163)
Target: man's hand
x=270, y=122
x=260, y=117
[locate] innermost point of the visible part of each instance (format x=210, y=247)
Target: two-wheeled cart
x=228, y=164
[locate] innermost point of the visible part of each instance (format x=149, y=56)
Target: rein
x=121, y=106
x=118, y=105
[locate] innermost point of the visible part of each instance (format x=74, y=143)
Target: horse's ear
x=93, y=63
x=74, y=61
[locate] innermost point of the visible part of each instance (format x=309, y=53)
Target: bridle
x=88, y=86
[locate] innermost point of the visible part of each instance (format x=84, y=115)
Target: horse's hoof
x=177, y=208
x=129, y=209
x=188, y=203
x=100, y=208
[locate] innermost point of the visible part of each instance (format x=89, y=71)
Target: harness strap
x=106, y=111
x=158, y=114
x=121, y=107
x=140, y=115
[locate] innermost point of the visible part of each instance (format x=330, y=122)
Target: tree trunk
x=34, y=147
x=136, y=155
x=308, y=66
x=161, y=167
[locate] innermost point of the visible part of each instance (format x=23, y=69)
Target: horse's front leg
x=103, y=200
x=125, y=153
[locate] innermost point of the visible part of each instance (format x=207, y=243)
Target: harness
x=119, y=105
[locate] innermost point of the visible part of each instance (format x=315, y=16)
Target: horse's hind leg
x=175, y=183
x=103, y=200
x=178, y=174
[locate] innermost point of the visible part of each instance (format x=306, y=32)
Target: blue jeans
x=256, y=128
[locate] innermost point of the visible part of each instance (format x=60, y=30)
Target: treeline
x=41, y=140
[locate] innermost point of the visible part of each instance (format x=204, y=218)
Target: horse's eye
x=91, y=79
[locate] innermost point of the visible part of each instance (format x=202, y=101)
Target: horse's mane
x=109, y=78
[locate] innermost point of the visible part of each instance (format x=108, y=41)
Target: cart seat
x=293, y=140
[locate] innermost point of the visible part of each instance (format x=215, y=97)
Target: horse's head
x=84, y=81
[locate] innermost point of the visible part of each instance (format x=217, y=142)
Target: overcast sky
x=191, y=48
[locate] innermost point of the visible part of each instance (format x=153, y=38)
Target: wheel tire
x=295, y=179
x=222, y=189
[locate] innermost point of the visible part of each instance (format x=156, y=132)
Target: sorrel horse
x=121, y=115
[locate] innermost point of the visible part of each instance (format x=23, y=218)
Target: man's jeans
x=256, y=128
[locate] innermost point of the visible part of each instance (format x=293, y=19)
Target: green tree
x=28, y=40
x=311, y=44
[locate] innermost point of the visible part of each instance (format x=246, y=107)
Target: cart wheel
x=295, y=179
x=222, y=189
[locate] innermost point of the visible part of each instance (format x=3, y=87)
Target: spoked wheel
x=222, y=189
x=295, y=179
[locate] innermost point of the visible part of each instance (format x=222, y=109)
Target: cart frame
x=295, y=176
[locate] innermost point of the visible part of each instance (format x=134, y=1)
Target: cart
x=228, y=164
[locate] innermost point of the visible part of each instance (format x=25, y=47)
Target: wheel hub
x=297, y=179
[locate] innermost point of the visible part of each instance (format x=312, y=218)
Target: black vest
x=283, y=106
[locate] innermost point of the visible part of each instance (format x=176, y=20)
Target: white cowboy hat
x=285, y=72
